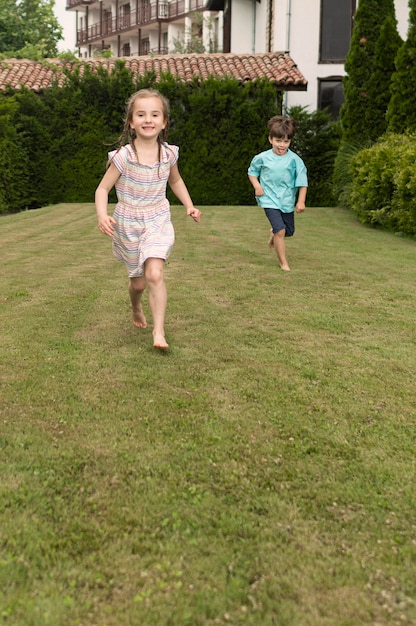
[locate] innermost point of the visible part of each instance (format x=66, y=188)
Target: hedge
x=382, y=191
x=54, y=145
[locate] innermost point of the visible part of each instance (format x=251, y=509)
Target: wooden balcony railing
x=148, y=13
x=76, y=3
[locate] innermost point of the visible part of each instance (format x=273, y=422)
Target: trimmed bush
x=383, y=188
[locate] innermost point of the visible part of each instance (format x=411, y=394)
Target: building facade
x=316, y=33
x=124, y=28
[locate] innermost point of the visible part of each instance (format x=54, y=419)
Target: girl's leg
x=154, y=273
x=136, y=287
x=280, y=248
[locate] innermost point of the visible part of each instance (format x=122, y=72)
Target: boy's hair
x=280, y=127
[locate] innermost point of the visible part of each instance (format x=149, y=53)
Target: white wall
x=304, y=47
x=66, y=19
x=243, y=38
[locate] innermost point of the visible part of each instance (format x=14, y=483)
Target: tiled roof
x=278, y=67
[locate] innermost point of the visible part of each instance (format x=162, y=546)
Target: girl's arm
x=105, y=221
x=180, y=190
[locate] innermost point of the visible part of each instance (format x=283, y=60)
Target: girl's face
x=147, y=117
x=280, y=145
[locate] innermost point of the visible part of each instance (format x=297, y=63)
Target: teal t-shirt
x=280, y=177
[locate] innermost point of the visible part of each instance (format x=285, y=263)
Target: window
x=331, y=95
x=336, y=28
x=125, y=16
x=144, y=46
x=107, y=22
x=163, y=10
x=164, y=43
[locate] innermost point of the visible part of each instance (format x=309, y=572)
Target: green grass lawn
x=260, y=473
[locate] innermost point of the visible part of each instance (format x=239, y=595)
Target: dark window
x=331, y=95
x=144, y=46
x=336, y=27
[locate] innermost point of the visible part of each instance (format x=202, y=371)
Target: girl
x=141, y=226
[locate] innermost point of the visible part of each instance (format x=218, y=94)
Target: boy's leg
x=136, y=287
x=277, y=236
x=154, y=273
x=280, y=248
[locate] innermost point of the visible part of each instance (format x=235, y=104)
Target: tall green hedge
x=14, y=164
x=66, y=133
x=55, y=145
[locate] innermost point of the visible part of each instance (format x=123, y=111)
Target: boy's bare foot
x=270, y=243
x=139, y=318
x=160, y=342
x=285, y=268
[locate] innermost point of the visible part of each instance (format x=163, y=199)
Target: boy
x=279, y=175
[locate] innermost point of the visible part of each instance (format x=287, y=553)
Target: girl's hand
x=105, y=224
x=194, y=213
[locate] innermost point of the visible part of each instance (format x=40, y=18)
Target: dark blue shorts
x=281, y=221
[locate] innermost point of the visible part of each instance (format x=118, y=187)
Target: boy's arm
x=301, y=201
x=258, y=189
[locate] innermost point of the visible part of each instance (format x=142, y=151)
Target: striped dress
x=144, y=229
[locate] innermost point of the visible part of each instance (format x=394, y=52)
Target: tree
x=361, y=113
x=401, y=114
x=28, y=29
x=387, y=46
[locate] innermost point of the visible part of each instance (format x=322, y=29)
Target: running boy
x=280, y=182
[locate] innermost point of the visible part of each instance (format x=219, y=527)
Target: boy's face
x=280, y=145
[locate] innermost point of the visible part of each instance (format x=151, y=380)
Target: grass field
x=260, y=473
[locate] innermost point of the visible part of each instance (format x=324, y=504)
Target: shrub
x=14, y=166
x=317, y=141
x=383, y=188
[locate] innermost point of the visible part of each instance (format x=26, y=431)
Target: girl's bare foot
x=160, y=342
x=285, y=268
x=139, y=318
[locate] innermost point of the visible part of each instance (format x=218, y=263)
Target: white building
x=316, y=33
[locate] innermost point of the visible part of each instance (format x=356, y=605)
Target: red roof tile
x=278, y=67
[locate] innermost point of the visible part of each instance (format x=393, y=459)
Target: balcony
x=194, y=5
x=70, y=4
x=148, y=13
